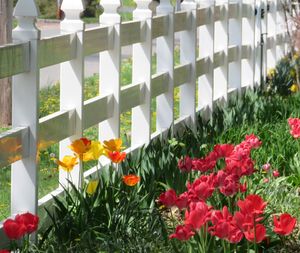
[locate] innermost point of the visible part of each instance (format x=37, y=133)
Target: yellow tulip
x=68, y=162
x=92, y=186
x=95, y=151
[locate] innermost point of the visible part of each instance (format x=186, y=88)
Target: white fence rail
x=220, y=46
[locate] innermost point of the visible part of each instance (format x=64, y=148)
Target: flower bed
x=119, y=211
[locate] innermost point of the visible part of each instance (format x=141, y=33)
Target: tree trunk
x=6, y=7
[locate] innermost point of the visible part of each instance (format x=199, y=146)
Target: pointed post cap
x=72, y=8
x=110, y=14
x=142, y=10
x=26, y=8
x=189, y=4
x=165, y=6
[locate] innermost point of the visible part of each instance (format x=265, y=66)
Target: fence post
x=271, y=30
x=165, y=63
x=221, y=48
x=72, y=84
x=235, y=39
x=264, y=32
x=188, y=44
x=110, y=69
x=141, y=72
x=206, y=49
x=248, y=39
x=281, y=30
x=25, y=112
x=258, y=44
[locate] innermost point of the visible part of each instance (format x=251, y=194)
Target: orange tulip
x=113, y=145
x=115, y=156
x=80, y=146
x=131, y=179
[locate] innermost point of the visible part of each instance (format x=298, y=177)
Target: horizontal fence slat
x=233, y=11
x=271, y=42
x=182, y=21
x=159, y=84
x=247, y=11
x=55, y=50
x=13, y=145
x=220, y=13
x=246, y=51
x=202, y=66
x=233, y=53
x=159, y=26
x=203, y=16
x=131, y=96
x=219, y=59
x=130, y=33
x=96, y=40
x=182, y=74
x=56, y=127
x=14, y=59
x=97, y=109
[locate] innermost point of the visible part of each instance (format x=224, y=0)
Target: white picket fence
x=220, y=46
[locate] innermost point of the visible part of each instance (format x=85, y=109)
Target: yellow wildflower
x=92, y=186
x=294, y=88
x=271, y=73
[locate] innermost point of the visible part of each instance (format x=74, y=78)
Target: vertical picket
x=110, y=69
x=141, y=72
x=165, y=63
x=280, y=24
x=221, y=47
x=271, y=34
x=264, y=32
x=235, y=39
x=72, y=84
x=258, y=43
x=188, y=44
x=248, y=40
x=25, y=111
x=206, y=49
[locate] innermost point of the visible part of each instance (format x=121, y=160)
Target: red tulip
x=223, y=150
x=253, y=204
x=182, y=200
x=182, y=233
x=13, y=229
x=4, y=251
x=185, y=164
x=256, y=236
x=285, y=224
x=198, y=215
x=168, y=198
x=29, y=220
x=295, y=127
